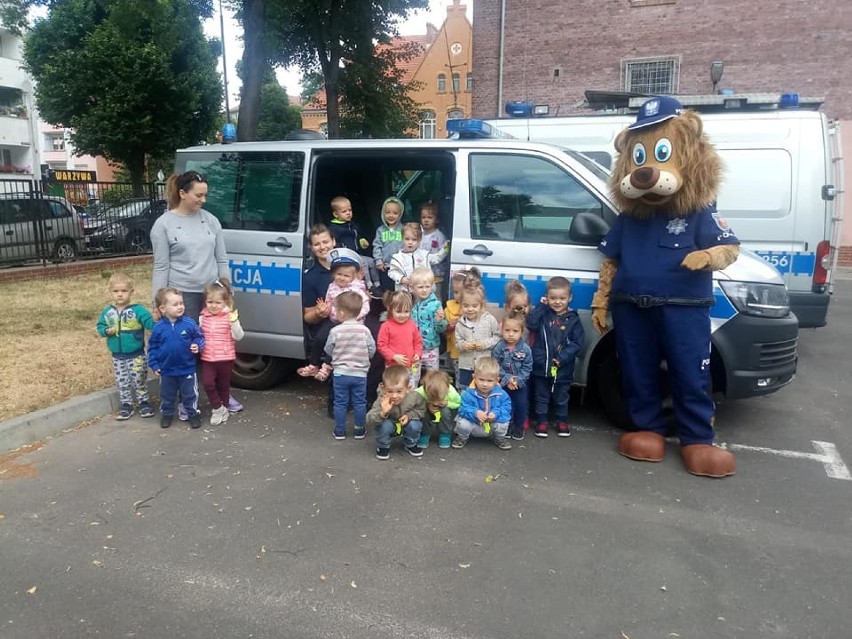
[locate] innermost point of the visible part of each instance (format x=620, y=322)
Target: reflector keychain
x=398, y=428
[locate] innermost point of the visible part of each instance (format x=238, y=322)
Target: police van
x=781, y=188
x=515, y=210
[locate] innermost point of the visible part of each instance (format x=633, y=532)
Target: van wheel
x=64, y=251
x=608, y=384
x=138, y=242
x=259, y=372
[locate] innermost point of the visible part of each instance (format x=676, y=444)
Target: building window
x=652, y=76
x=456, y=83
x=442, y=83
x=427, y=125
x=54, y=142
x=469, y=84
x=455, y=114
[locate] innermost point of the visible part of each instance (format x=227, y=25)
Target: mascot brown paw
x=708, y=461
x=642, y=445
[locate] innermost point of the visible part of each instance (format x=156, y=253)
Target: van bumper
x=810, y=308
x=759, y=355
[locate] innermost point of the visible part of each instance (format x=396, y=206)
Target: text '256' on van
x=780, y=190
x=515, y=210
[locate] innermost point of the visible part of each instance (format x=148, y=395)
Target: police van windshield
x=599, y=171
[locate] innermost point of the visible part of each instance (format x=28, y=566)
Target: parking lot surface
x=267, y=527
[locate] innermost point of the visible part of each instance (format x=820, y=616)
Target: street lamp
x=716, y=68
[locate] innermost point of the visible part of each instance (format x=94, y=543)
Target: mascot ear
x=620, y=140
x=694, y=122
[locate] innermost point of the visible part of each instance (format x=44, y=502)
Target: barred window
x=652, y=76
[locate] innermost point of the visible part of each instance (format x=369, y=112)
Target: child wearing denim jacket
x=516, y=361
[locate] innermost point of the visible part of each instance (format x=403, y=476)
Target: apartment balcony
x=11, y=74
x=15, y=131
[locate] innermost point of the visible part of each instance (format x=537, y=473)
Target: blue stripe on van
x=582, y=290
x=798, y=263
x=256, y=277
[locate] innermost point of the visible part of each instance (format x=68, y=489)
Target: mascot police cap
x=344, y=257
x=657, y=110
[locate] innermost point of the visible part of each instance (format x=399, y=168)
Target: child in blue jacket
x=558, y=339
x=172, y=349
x=516, y=362
x=485, y=408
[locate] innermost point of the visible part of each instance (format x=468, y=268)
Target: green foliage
x=134, y=79
x=277, y=116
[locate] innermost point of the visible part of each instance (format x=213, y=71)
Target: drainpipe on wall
x=500, y=58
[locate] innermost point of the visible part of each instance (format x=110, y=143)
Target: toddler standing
x=220, y=324
x=399, y=340
x=452, y=313
x=397, y=412
x=485, y=408
x=428, y=315
x=350, y=346
x=410, y=257
x=477, y=332
x=174, y=343
x=346, y=235
x=516, y=362
x=124, y=324
x=388, y=239
x=434, y=240
x=558, y=339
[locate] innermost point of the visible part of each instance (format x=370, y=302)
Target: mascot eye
x=639, y=154
x=663, y=150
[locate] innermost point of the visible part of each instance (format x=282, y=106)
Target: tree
x=277, y=116
x=134, y=79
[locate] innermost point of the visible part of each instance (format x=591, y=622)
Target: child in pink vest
x=221, y=329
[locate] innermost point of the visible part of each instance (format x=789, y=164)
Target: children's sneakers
x=166, y=421
x=414, y=451
x=444, y=440
x=458, y=443
x=503, y=443
x=360, y=433
x=183, y=415
x=234, y=406
x=563, y=429
x=195, y=421
x=145, y=410
x=339, y=434
x=423, y=442
x=219, y=415
x=518, y=434
x=541, y=429
x=383, y=453
x=124, y=412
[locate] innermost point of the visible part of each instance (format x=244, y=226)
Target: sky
x=291, y=79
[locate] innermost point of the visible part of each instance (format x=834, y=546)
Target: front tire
x=608, y=383
x=64, y=251
x=259, y=372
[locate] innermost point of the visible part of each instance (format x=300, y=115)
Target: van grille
x=778, y=353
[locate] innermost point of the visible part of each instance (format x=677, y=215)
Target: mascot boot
x=705, y=460
x=643, y=445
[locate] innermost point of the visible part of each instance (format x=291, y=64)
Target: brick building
x=442, y=69
x=552, y=52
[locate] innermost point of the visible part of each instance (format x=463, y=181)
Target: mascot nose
x=644, y=178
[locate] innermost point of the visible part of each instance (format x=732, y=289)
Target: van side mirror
x=587, y=228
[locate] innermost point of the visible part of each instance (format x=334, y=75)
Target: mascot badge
x=657, y=280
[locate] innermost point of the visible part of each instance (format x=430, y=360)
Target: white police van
x=781, y=188
x=513, y=209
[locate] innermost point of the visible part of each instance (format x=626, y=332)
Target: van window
x=253, y=191
x=57, y=209
x=525, y=199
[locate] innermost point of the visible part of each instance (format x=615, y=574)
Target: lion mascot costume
x=657, y=280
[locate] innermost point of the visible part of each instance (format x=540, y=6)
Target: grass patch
x=50, y=350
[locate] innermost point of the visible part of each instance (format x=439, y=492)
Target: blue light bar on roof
x=471, y=128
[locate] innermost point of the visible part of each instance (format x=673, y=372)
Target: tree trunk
x=135, y=164
x=254, y=64
x=331, y=71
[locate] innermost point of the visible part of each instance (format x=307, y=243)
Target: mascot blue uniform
x=657, y=280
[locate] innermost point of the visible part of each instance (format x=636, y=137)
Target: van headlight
x=761, y=300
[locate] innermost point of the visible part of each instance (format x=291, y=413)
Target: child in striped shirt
x=350, y=346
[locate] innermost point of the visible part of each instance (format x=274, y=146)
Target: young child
x=399, y=340
x=516, y=362
x=350, y=346
x=428, y=315
x=124, y=324
x=433, y=239
x=397, y=411
x=558, y=339
x=346, y=276
x=486, y=408
x=452, y=313
x=388, y=239
x=411, y=257
x=220, y=324
x=477, y=332
x=442, y=405
x=346, y=235
x=174, y=343
x=517, y=299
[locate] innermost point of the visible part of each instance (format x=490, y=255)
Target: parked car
x=124, y=227
x=33, y=226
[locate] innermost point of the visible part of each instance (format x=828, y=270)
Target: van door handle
x=282, y=243
x=478, y=250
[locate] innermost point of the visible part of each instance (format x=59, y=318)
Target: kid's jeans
x=170, y=385
x=520, y=408
x=388, y=429
x=349, y=389
x=545, y=390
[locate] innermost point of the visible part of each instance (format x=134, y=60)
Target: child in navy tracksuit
x=516, y=363
x=558, y=339
x=172, y=349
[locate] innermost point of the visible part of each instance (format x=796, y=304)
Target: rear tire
x=259, y=372
x=64, y=251
x=608, y=383
x=138, y=243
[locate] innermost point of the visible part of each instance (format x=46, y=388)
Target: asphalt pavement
x=267, y=527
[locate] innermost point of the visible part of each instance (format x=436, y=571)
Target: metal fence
x=61, y=222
